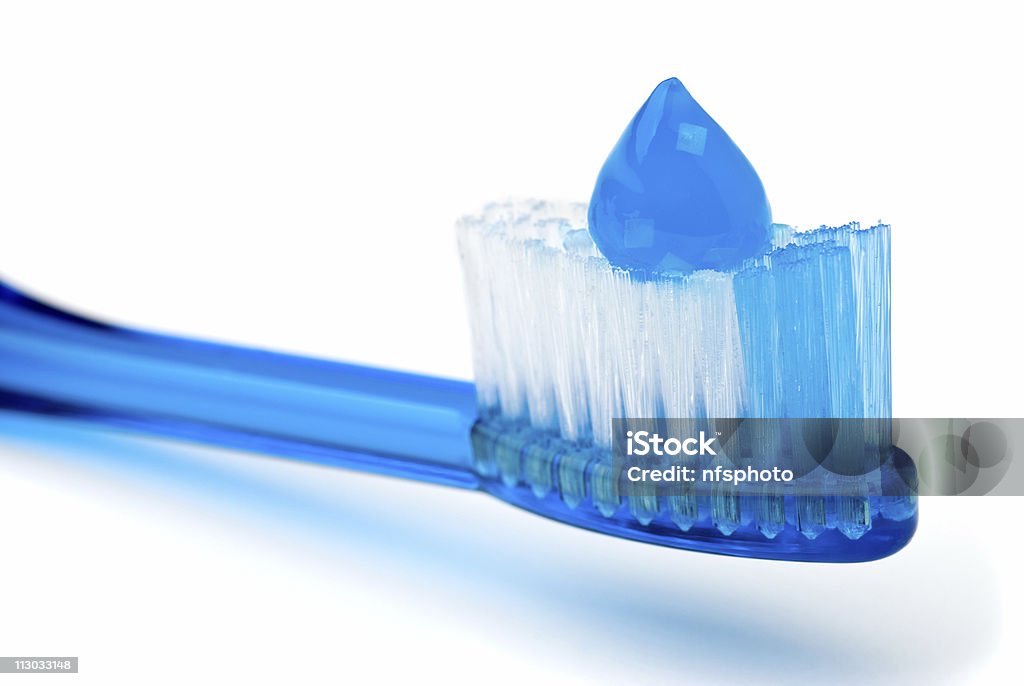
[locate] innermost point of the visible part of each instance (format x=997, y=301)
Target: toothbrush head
x=582, y=486
x=799, y=332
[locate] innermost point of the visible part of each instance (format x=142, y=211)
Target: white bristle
x=568, y=342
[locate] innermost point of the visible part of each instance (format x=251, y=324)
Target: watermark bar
x=817, y=456
x=38, y=665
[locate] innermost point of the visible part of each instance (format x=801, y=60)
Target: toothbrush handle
x=326, y=412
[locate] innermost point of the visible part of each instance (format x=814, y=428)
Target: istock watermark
x=820, y=456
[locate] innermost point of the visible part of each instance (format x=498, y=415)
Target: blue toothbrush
x=642, y=314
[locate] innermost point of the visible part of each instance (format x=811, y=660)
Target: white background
x=288, y=174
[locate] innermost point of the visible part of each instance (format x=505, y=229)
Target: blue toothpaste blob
x=676, y=194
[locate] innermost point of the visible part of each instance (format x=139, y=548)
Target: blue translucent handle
x=344, y=415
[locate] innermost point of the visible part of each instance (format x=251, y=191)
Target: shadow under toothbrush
x=663, y=612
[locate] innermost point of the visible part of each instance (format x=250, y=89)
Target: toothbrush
x=636, y=319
